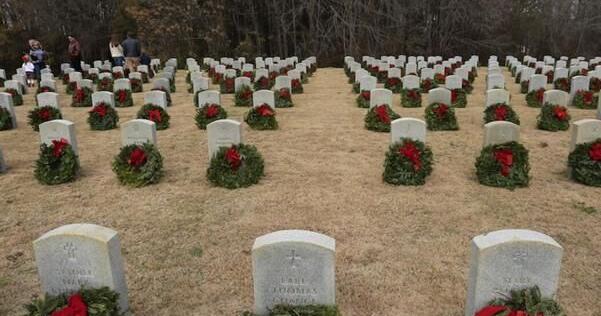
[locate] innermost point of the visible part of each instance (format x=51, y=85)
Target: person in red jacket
x=74, y=53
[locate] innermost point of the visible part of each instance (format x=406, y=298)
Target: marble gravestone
x=223, y=133
x=86, y=83
x=293, y=267
x=80, y=255
x=209, y=97
x=6, y=102
x=500, y=132
x=511, y=259
x=105, y=97
x=496, y=96
x=556, y=97
x=360, y=74
x=161, y=83
x=427, y=73
x=380, y=97
x=407, y=127
x=282, y=82
x=138, y=131
x=48, y=99
x=439, y=95
x=200, y=84
x=453, y=82
x=585, y=131
x=156, y=97
x=367, y=83
x=537, y=82
x=57, y=130
x=14, y=84
x=241, y=82
x=410, y=82
x=495, y=81
x=264, y=97
x=122, y=84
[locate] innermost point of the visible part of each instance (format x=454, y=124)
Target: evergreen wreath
x=117, y=75
x=92, y=302
x=550, y=74
x=562, y=84
x=43, y=114
x=227, y=85
x=584, y=100
x=82, y=97
x=297, y=86
x=411, y=98
x=105, y=84
x=378, y=118
x=500, y=112
x=382, y=75
x=305, y=310
x=535, y=98
x=235, y=167
x=553, y=118
x=261, y=118
x=168, y=95
x=249, y=74
x=136, y=85
x=93, y=77
x=524, y=86
x=71, y=86
x=524, y=302
x=123, y=98
x=103, y=117
x=595, y=84
x=43, y=89
x=439, y=79
x=356, y=87
x=6, y=120
x=408, y=162
x=154, y=113
x=441, y=117
x=283, y=98
x=263, y=83
x=244, y=97
x=585, y=163
x=138, y=165
x=17, y=97
x=209, y=113
x=503, y=165
x=458, y=98
x=363, y=99
x=394, y=84
x=57, y=163
x=144, y=77
x=427, y=84
x=467, y=86
x=217, y=78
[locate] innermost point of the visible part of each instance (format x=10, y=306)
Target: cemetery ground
x=400, y=250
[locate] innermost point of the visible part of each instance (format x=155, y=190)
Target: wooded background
x=328, y=29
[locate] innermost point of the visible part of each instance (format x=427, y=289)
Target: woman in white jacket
x=116, y=51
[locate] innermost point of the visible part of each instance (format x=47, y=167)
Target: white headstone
x=6, y=102
x=105, y=97
x=209, y=97
x=407, y=128
x=410, y=82
x=379, y=97
x=156, y=97
x=500, y=132
x=580, y=83
x=556, y=97
x=495, y=81
x=427, y=73
x=495, y=96
x=57, y=130
x=367, y=83
x=453, y=82
x=48, y=99
x=263, y=97
x=537, y=82
x=585, y=131
x=86, y=83
x=75, y=76
x=14, y=84
x=200, y=84
x=282, y=82
x=439, y=95
x=161, y=83
x=138, y=131
x=241, y=82
x=47, y=77
x=223, y=133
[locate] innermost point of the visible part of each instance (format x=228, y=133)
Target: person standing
x=74, y=53
x=131, y=51
x=116, y=51
x=38, y=57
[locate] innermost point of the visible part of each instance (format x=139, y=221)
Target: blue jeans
x=119, y=61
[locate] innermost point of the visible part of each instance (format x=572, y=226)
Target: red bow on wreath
x=246, y=94
x=454, y=94
x=100, y=110
x=58, y=146
x=595, y=152
x=410, y=151
x=155, y=115
x=233, y=158
x=44, y=114
x=284, y=93
x=80, y=95
x=382, y=113
x=122, y=96
x=137, y=158
x=264, y=82
x=265, y=110
x=296, y=83
x=413, y=95
x=441, y=110
x=500, y=113
x=365, y=95
x=76, y=307
x=392, y=82
x=427, y=84
x=587, y=97
x=212, y=111
x=540, y=94
x=560, y=113
x=505, y=158
x=229, y=83
x=495, y=310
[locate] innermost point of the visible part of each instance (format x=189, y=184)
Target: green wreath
x=168, y=95
x=356, y=87
x=136, y=85
x=227, y=85
x=394, y=84
x=584, y=100
x=459, y=97
x=209, y=114
x=123, y=98
x=283, y=98
x=263, y=83
x=105, y=84
x=408, y=162
x=261, y=118
x=138, y=165
x=527, y=301
x=501, y=112
x=562, y=84
x=297, y=86
x=235, y=167
x=467, y=86
x=441, y=117
x=305, y=310
x=534, y=98
x=43, y=114
x=379, y=117
x=17, y=97
x=363, y=99
x=6, y=120
x=585, y=163
x=82, y=97
x=553, y=118
x=524, y=86
x=57, y=163
x=518, y=78
x=504, y=165
x=411, y=98
x=71, y=86
x=154, y=113
x=427, y=85
x=44, y=89
x=439, y=79
x=99, y=302
x=244, y=97
x=103, y=117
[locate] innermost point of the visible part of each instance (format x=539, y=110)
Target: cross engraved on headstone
x=293, y=259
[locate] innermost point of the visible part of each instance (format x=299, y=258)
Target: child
x=29, y=70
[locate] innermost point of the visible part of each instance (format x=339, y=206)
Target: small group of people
x=34, y=60
x=127, y=53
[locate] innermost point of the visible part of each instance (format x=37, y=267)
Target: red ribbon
x=212, y=110
x=501, y=113
x=441, y=110
x=233, y=158
x=560, y=113
x=410, y=151
x=505, y=158
x=382, y=113
x=58, y=146
x=137, y=158
x=76, y=307
x=265, y=110
x=595, y=152
x=155, y=115
x=365, y=95
x=100, y=110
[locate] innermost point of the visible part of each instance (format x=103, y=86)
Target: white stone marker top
x=556, y=97
x=407, y=127
x=410, y=82
x=500, y=132
x=223, y=133
x=300, y=236
x=264, y=97
x=208, y=97
x=494, y=96
x=138, y=131
x=585, y=131
x=439, y=95
x=380, y=97
x=282, y=82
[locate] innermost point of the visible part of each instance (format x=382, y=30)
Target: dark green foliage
x=148, y=173
x=82, y=97
x=56, y=170
x=105, y=84
x=244, y=97
x=380, y=121
x=43, y=114
x=123, y=98
x=438, y=119
x=17, y=97
x=310, y=310
x=530, y=301
x=583, y=168
x=488, y=169
x=136, y=85
x=101, y=302
x=501, y=112
x=156, y=114
x=261, y=122
x=400, y=170
x=534, y=98
x=460, y=98
x=411, y=98
x=103, y=117
x=363, y=99
x=220, y=172
x=283, y=98
x=6, y=121
x=549, y=120
x=201, y=118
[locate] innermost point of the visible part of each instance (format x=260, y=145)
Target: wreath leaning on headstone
x=562, y=84
x=378, y=118
x=526, y=302
x=584, y=100
x=235, y=167
x=501, y=112
x=411, y=98
x=6, y=120
x=138, y=165
x=57, y=163
x=261, y=118
x=297, y=86
x=82, y=97
x=156, y=114
x=585, y=163
x=394, y=84
x=441, y=117
x=93, y=302
x=283, y=98
x=209, y=114
x=102, y=117
x=427, y=84
x=105, y=84
x=503, y=165
x=244, y=97
x=306, y=310
x=43, y=114
x=553, y=118
x=123, y=98
x=534, y=98
x=43, y=89
x=408, y=162
x=17, y=97
x=136, y=85
x=458, y=98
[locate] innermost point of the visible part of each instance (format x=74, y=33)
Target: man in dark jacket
x=74, y=53
x=131, y=51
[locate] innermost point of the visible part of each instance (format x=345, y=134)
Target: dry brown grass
x=401, y=250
